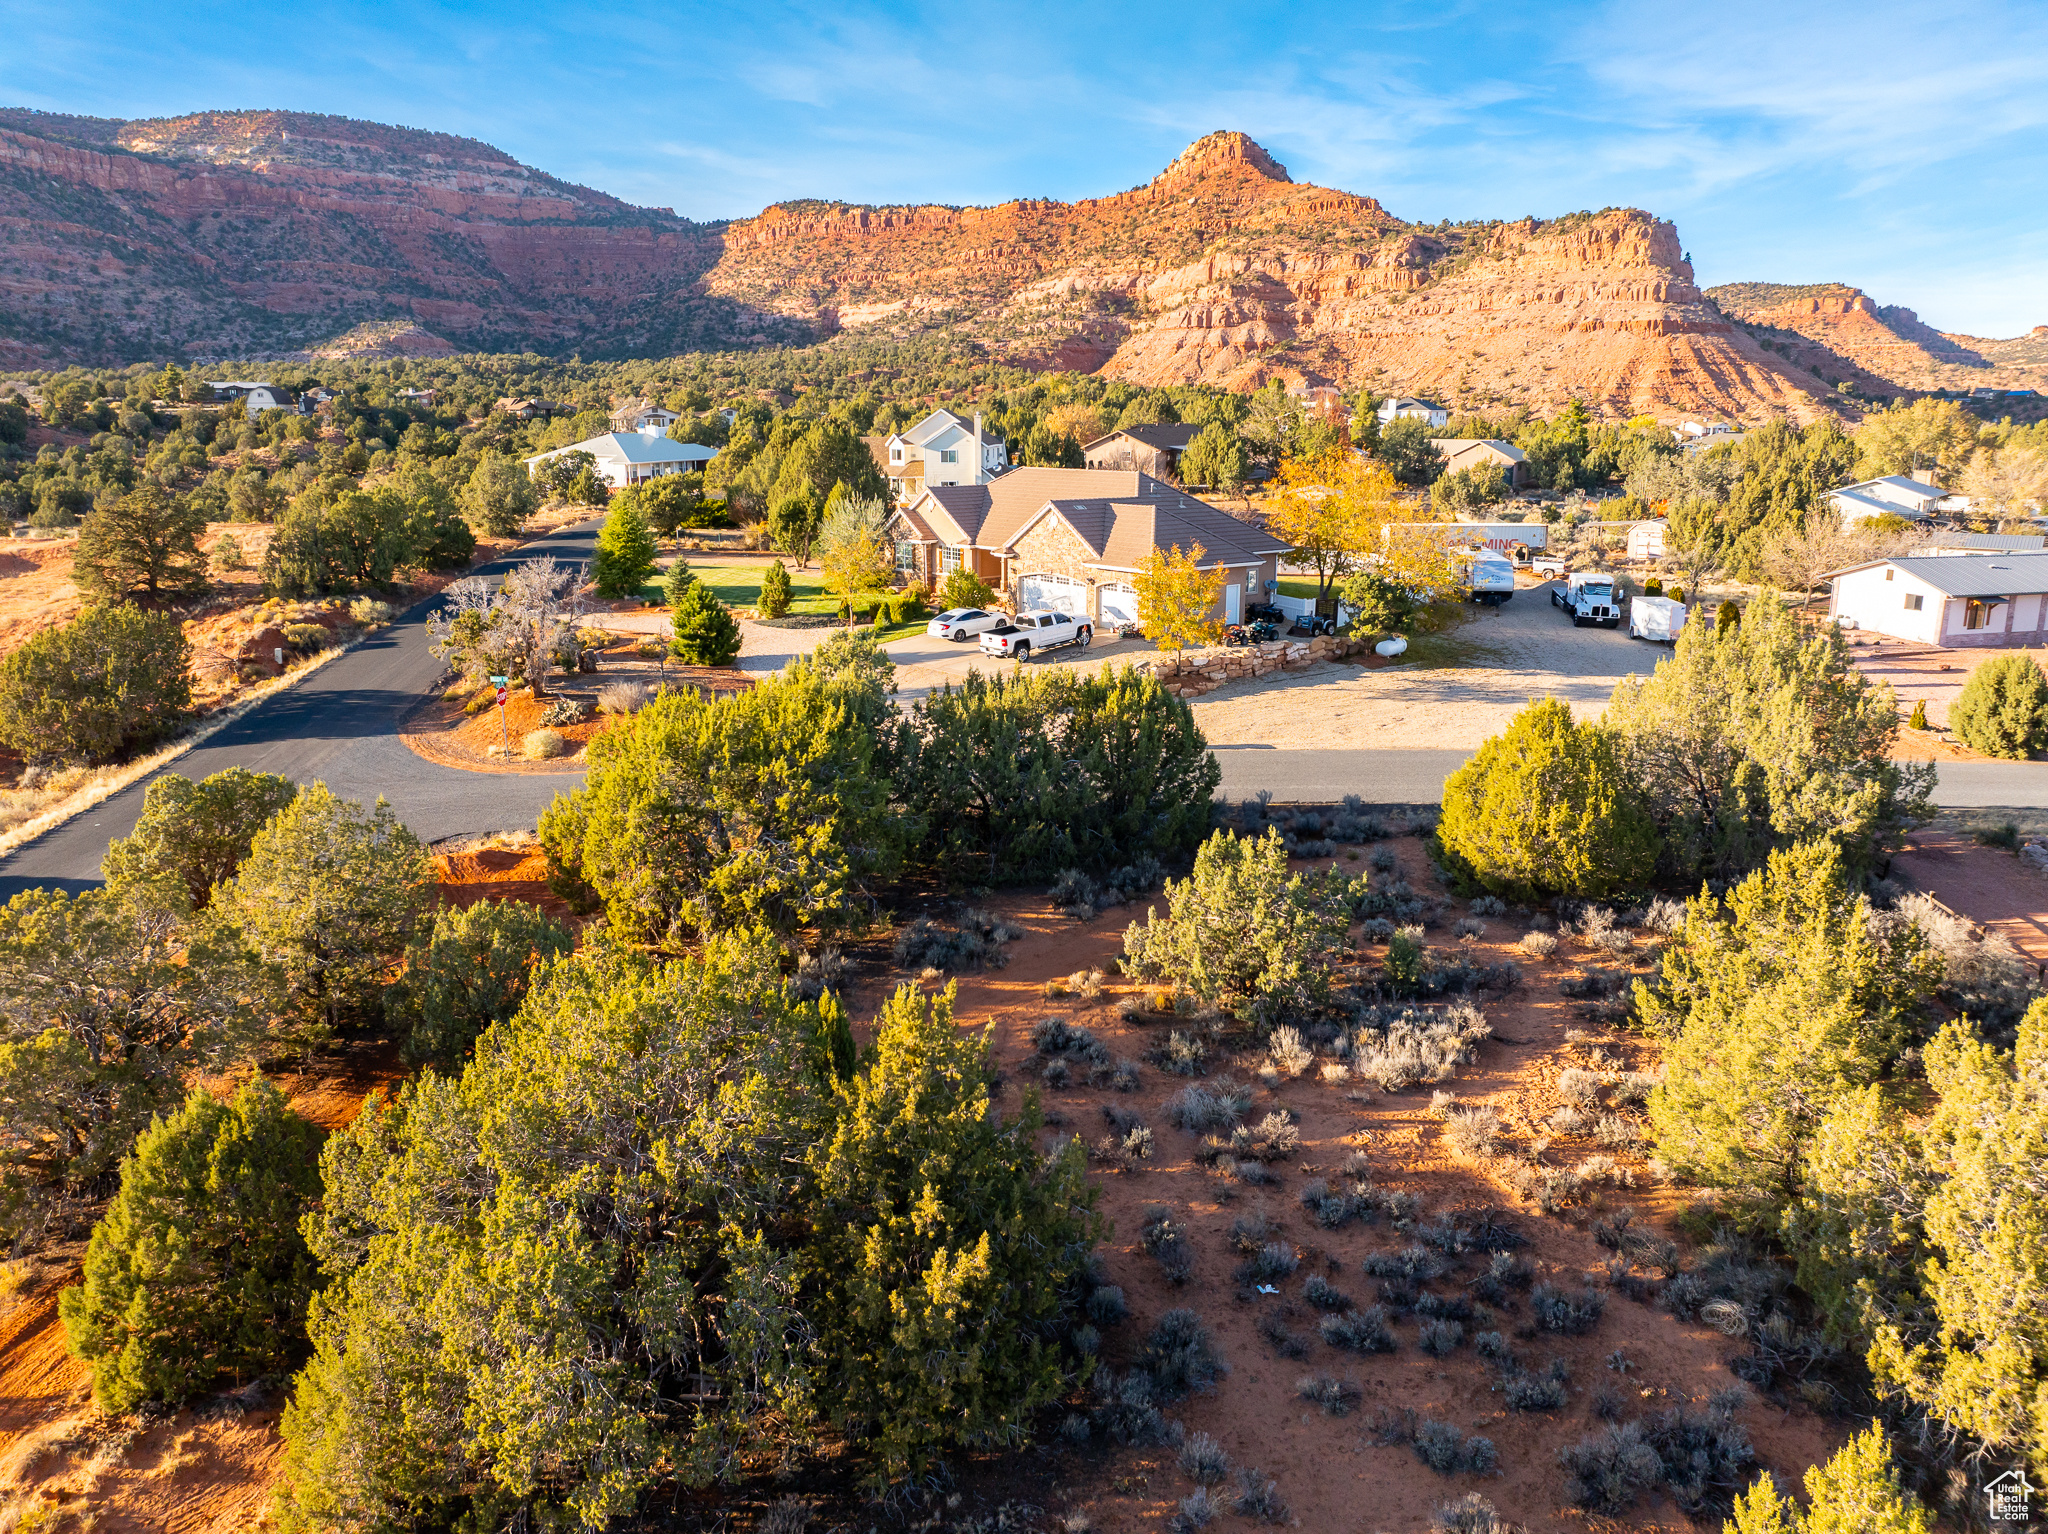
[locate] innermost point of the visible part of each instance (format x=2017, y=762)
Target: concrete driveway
x=925, y=664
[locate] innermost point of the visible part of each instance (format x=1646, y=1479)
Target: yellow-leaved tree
x=1177, y=598
x=1332, y=510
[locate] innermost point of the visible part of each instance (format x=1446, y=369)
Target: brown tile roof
x=920, y=528
x=1121, y=513
x=1173, y=439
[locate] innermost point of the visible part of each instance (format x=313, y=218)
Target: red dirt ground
x=196, y=1475
x=1990, y=887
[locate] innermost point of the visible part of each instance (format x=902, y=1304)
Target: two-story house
x=1154, y=450
x=637, y=413
x=1074, y=540
x=1427, y=411
x=942, y=449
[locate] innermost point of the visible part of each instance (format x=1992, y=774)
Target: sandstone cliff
x=1841, y=334
x=263, y=233
x=1223, y=269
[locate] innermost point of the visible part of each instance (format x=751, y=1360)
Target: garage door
x=1119, y=605
x=1058, y=592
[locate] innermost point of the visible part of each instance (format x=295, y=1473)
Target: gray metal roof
x=1979, y=575
x=1990, y=543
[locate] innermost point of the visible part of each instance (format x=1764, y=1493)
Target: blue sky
x=1896, y=146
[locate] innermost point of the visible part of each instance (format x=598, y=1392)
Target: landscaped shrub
x=198, y=1269
x=108, y=684
x=2003, y=709
x=1546, y=808
x=704, y=632
x=543, y=745
x=775, y=590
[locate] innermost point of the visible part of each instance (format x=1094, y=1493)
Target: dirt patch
x=518, y=872
x=445, y=730
x=1330, y=1471
x=1991, y=887
x=1926, y=674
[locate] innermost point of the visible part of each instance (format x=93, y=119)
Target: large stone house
x=1074, y=539
x=942, y=449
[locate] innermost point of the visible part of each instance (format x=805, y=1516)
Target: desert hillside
x=267, y=233
x=1843, y=335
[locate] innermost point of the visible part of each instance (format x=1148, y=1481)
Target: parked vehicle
x=1308, y=628
x=1028, y=632
x=1656, y=618
x=1552, y=566
x=1589, y=597
x=1272, y=612
x=1489, y=578
x=962, y=623
x=1236, y=634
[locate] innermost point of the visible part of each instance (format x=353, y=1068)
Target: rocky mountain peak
x=1226, y=151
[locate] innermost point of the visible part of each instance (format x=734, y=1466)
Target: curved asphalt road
x=340, y=727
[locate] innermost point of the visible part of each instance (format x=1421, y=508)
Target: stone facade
x=1050, y=547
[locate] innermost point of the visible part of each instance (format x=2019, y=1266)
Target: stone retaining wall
x=1202, y=671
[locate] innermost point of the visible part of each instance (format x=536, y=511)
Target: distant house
x=637, y=413
x=1074, y=539
x=1154, y=450
x=1894, y=495
x=633, y=457
x=942, y=449
x=256, y=398
x=1698, y=436
x=1471, y=452
x=422, y=397
x=1973, y=601
x=1427, y=411
x=531, y=409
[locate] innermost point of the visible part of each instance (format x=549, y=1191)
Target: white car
x=1016, y=639
x=962, y=623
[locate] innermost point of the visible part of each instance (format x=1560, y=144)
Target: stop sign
x=501, y=697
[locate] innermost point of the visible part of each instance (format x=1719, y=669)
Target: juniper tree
x=2003, y=710
x=470, y=971
x=198, y=1271
x=625, y=550
x=198, y=832
x=1546, y=808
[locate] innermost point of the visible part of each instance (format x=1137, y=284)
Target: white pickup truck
x=1016, y=639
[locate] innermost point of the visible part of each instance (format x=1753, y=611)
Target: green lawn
x=740, y=586
x=1294, y=586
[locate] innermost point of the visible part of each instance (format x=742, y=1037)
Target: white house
x=1971, y=601
x=638, y=413
x=942, y=449
x=1421, y=409
x=633, y=457
x=1894, y=495
x=255, y=397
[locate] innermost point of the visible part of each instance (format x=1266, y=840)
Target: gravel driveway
x=1506, y=656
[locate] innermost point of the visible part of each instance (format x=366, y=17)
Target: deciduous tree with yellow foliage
x=1332, y=509
x=1177, y=598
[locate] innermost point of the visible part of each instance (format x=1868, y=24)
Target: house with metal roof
x=633, y=457
x=1985, y=543
x=1895, y=495
x=1073, y=540
x=1958, y=601
x=1154, y=450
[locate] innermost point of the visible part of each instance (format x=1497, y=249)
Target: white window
x=896, y=455
x=1915, y=601
x=949, y=455
x=949, y=560
x=906, y=556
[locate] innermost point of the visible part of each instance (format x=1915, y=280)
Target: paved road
x=339, y=726
x=1417, y=777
